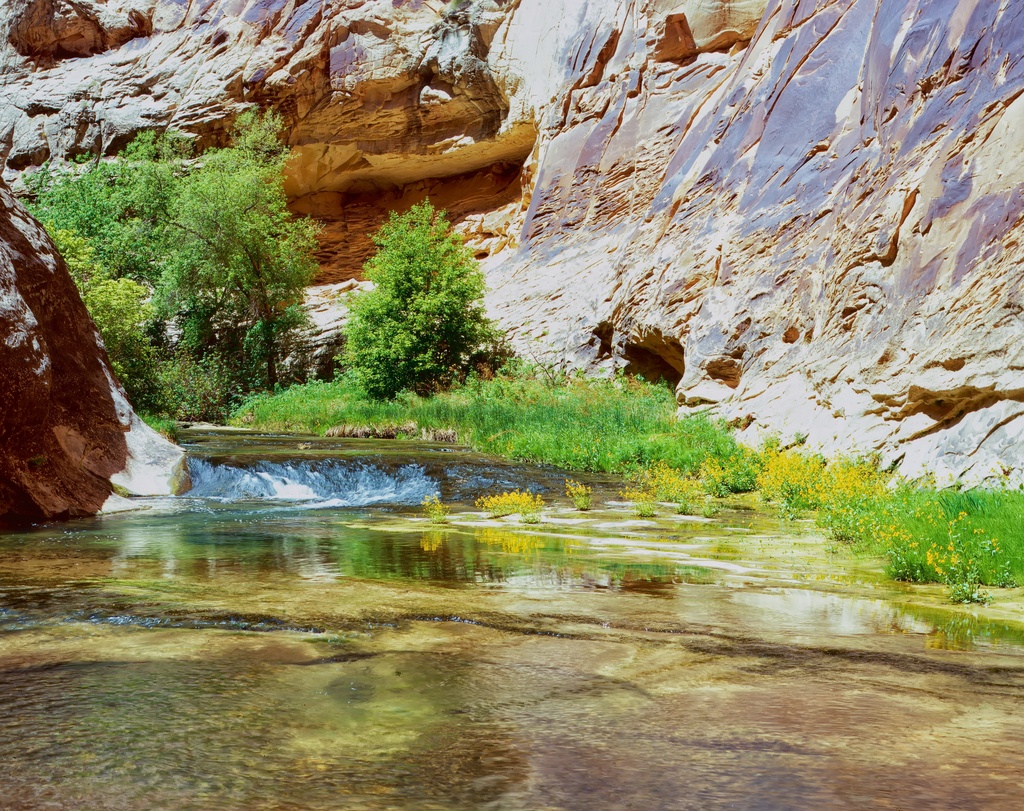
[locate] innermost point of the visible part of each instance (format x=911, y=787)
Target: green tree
x=99, y=202
x=240, y=258
x=210, y=235
x=122, y=313
x=423, y=321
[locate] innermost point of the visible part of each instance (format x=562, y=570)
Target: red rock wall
x=61, y=437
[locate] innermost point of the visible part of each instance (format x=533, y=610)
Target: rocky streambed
x=294, y=635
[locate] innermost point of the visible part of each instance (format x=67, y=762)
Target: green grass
x=610, y=426
x=162, y=425
x=964, y=539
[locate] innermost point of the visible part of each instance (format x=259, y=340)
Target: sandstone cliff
x=66, y=430
x=809, y=214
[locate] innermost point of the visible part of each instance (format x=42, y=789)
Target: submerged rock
x=67, y=433
x=808, y=217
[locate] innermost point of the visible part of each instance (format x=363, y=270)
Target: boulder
x=67, y=433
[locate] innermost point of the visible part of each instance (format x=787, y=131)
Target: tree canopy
x=423, y=321
x=209, y=234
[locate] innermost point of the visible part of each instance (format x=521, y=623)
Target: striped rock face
x=806, y=215
x=814, y=226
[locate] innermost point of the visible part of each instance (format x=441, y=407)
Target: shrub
x=423, y=321
x=200, y=390
x=237, y=261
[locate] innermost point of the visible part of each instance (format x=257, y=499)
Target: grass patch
x=963, y=539
x=164, y=426
x=607, y=426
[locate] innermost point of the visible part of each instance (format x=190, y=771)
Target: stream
x=292, y=634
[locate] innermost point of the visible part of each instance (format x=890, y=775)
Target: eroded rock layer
x=384, y=102
x=66, y=430
x=817, y=230
x=806, y=214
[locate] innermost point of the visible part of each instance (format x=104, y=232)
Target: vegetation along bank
x=194, y=271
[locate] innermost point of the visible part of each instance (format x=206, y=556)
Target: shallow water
x=298, y=638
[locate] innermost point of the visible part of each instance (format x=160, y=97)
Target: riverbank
x=606, y=426
x=970, y=542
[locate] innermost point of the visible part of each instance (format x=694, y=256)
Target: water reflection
x=327, y=545
x=400, y=665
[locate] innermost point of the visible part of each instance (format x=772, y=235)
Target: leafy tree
x=99, y=202
x=241, y=258
x=209, y=235
x=122, y=312
x=423, y=321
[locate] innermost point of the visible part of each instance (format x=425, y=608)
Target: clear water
x=291, y=635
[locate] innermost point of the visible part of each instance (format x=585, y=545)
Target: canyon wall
x=805, y=213
x=67, y=433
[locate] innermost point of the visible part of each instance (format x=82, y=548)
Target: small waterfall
x=328, y=483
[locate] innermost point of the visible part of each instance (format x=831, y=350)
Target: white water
x=313, y=484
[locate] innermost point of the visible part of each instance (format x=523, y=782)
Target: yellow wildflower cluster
x=643, y=501
x=435, y=510
x=581, y=495
x=848, y=479
x=526, y=504
x=660, y=482
x=956, y=565
x=791, y=479
x=665, y=483
x=916, y=526
x=852, y=495
x=800, y=481
x=714, y=477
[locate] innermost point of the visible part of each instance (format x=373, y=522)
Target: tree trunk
x=271, y=362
